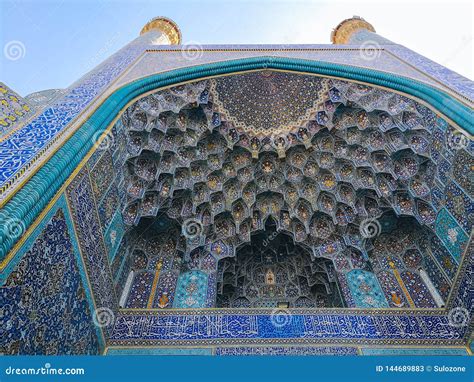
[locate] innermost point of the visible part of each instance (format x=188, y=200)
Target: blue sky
x=64, y=39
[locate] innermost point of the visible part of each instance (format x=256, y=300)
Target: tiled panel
x=462, y=171
x=165, y=291
x=393, y=292
x=365, y=289
x=108, y=206
x=437, y=277
x=451, y=234
x=286, y=350
x=91, y=242
x=140, y=290
x=442, y=256
x=113, y=235
x=453, y=80
x=460, y=206
x=159, y=351
x=44, y=303
x=191, y=291
x=418, y=290
x=135, y=329
x=102, y=176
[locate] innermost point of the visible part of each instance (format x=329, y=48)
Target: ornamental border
x=409, y=343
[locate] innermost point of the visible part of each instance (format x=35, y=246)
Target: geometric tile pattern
x=211, y=290
x=109, y=206
x=437, y=277
x=91, y=242
x=114, y=234
x=460, y=206
x=191, y=291
x=453, y=80
x=451, y=234
x=462, y=171
x=464, y=284
x=366, y=290
x=140, y=290
x=345, y=291
x=44, y=305
x=102, y=176
x=418, y=290
x=276, y=105
x=165, y=291
x=446, y=262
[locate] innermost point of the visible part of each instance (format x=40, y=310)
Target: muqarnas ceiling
x=333, y=163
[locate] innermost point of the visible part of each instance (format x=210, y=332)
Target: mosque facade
x=240, y=200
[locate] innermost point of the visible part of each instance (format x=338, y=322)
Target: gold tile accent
x=155, y=282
